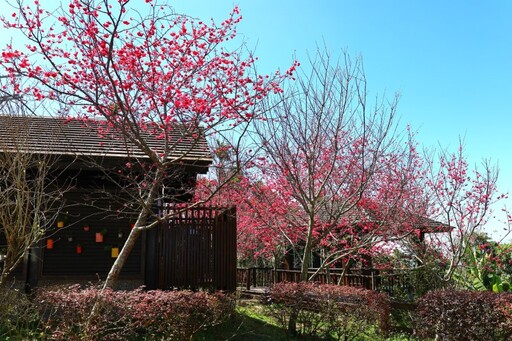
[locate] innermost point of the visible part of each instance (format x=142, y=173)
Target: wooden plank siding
x=196, y=248
x=225, y=256
x=96, y=258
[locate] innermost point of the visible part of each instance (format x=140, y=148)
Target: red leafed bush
x=464, y=315
x=175, y=315
x=327, y=310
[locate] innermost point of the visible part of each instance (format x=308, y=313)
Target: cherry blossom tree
x=148, y=76
x=260, y=217
x=457, y=200
x=463, y=197
x=336, y=179
x=324, y=144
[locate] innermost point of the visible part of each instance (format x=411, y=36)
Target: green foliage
x=19, y=318
x=486, y=266
x=253, y=322
x=416, y=279
x=473, y=275
x=425, y=278
x=497, y=284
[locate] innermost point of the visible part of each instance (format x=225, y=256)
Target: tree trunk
x=150, y=201
x=118, y=265
x=306, y=260
x=292, y=323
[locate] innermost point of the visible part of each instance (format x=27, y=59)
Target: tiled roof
x=359, y=215
x=49, y=135
x=427, y=225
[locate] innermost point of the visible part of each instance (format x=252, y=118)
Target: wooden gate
x=196, y=248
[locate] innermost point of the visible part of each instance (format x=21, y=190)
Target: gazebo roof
x=427, y=225
x=359, y=215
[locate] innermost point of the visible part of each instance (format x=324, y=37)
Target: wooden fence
x=196, y=248
x=373, y=279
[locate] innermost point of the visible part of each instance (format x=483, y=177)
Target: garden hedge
x=464, y=315
x=325, y=310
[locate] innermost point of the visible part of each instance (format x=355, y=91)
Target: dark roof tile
x=50, y=135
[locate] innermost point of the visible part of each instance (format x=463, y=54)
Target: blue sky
x=451, y=61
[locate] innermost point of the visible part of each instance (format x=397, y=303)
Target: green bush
x=328, y=310
x=464, y=315
x=19, y=318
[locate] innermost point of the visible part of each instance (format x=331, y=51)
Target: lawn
x=251, y=322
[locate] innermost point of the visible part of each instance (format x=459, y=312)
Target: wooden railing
x=373, y=279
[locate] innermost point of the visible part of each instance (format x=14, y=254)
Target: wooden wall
x=95, y=258
x=197, y=249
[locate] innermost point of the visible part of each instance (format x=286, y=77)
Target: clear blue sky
x=451, y=61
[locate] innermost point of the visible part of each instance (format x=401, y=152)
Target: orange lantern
x=99, y=237
x=115, y=252
x=60, y=224
x=49, y=244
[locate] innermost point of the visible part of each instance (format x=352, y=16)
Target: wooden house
x=196, y=248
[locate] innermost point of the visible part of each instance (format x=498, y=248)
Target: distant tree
x=30, y=197
x=461, y=197
x=324, y=148
x=260, y=218
x=148, y=75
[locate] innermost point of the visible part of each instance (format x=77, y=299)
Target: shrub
x=175, y=315
x=67, y=312
x=327, y=310
x=464, y=315
x=19, y=318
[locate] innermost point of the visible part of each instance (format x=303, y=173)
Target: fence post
x=248, y=285
x=254, y=279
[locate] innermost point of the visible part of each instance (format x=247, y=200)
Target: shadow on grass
x=252, y=323
x=243, y=327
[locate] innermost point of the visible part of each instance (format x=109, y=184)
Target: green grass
x=251, y=323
